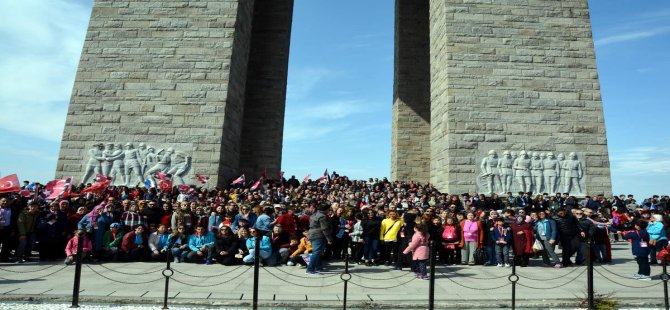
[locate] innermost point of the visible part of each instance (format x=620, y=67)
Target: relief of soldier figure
x=130, y=166
x=531, y=172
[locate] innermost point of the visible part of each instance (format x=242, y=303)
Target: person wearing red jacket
x=134, y=244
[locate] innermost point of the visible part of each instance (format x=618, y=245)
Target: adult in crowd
x=547, y=233
x=568, y=231
x=134, y=245
x=226, y=245
x=158, y=243
x=472, y=238
x=658, y=238
x=319, y=235
x=371, y=230
x=264, y=251
x=201, y=245
x=522, y=241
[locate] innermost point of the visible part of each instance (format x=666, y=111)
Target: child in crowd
x=640, y=245
x=298, y=257
x=357, y=240
x=73, y=245
x=419, y=249
x=502, y=236
x=451, y=239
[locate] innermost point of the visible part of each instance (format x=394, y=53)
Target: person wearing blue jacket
x=265, y=249
x=639, y=239
x=201, y=244
x=501, y=237
x=547, y=233
x=658, y=239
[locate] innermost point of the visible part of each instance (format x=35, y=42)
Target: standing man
x=26, y=225
x=319, y=234
x=568, y=231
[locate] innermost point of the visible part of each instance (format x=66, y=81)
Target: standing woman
x=371, y=228
x=472, y=238
x=96, y=223
x=658, y=239
x=522, y=240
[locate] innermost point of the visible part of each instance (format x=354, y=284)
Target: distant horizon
x=339, y=96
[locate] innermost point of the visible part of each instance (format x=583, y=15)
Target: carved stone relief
x=536, y=172
x=131, y=166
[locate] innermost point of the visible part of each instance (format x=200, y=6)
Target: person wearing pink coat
x=420, y=250
x=73, y=245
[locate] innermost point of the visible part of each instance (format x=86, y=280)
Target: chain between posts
x=77, y=271
x=513, y=278
x=345, y=276
x=665, y=277
x=167, y=273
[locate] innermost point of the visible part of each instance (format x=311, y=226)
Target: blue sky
x=340, y=87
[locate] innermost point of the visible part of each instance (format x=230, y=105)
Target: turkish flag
x=184, y=188
x=239, y=180
x=10, y=184
x=306, y=178
x=161, y=175
x=165, y=185
x=202, y=178
x=96, y=188
x=257, y=184
x=57, y=188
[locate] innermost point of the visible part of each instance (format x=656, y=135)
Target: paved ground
x=455, y=286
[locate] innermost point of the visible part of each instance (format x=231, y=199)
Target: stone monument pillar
x=188, y=77
x=410, y=151
x=515, y=76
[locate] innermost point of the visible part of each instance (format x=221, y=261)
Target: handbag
x=480, y=256
x=537, y=246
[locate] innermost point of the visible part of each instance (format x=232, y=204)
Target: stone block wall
x=411, y=149
x=162, y=72
x=513, y=75
x=263, y=124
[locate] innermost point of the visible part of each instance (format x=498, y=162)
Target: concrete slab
x=160, y=294
x=225, y=296
x=355, y=297
x=261, y=296
x=30, y=291
x=7, y=289
x=193, y=295
x=128, y=293
x=322, y=297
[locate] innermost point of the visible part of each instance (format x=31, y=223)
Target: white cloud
x=631, y=36
x=333, y=110
x=303, y=80
x=641, y=161
x=42, y=42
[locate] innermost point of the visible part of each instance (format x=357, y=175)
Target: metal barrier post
x=514, y=278
x=431, y=284
x=665, y=277
x=167, y=273
x=345, y=276
x=257, y=262
x=77, y=271
x=589, y=275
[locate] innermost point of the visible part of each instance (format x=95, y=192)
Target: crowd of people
x=372, y=222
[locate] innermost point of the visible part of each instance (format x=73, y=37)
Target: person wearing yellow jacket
x=389, y=233
x=304, y=249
